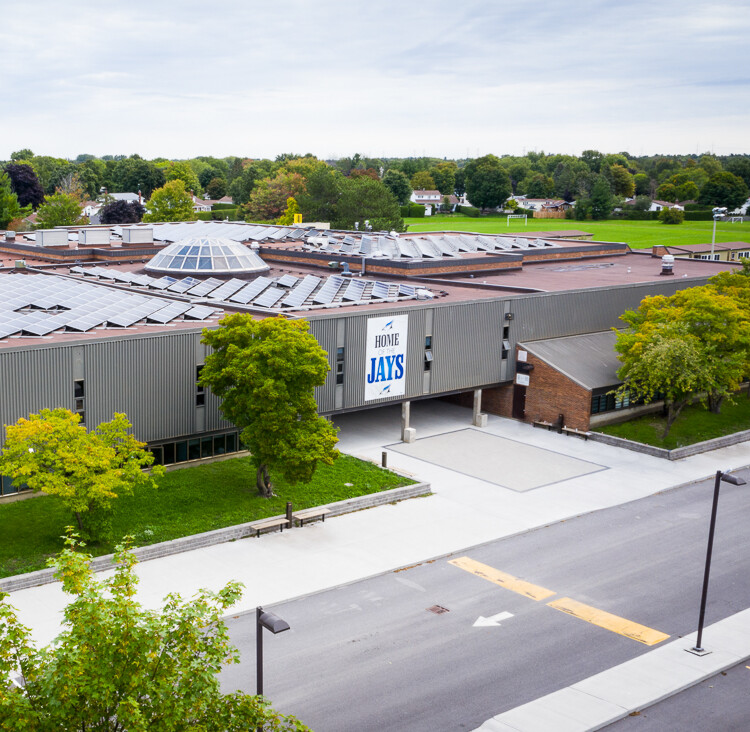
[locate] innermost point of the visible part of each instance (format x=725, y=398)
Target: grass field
x=188, y=501
x=695, y=424
x=638, y=234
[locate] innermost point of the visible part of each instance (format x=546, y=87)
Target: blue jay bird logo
x=386, y=389
x=388, y=325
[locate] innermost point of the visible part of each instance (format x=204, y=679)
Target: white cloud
x=250, y=78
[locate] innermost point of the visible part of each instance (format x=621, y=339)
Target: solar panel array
x=287, y=292
x=37, y=305
x=176, y=231
x=422, y=247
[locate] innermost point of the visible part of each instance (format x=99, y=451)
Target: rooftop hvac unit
x=10, y=236
x=88, y=237
x=138, y=235
x=52, y=238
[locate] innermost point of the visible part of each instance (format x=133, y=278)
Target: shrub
x=699, y=215
x=671, y=216
x=468, y=211
x=412, y=210
x=220, y=206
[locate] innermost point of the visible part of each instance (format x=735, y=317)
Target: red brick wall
x=550, y=394
x=495, y=401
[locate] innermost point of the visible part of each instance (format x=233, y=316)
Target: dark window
x=340, y=356
x=232, y=442
x=182, y=452
x=78, y=389
x=79, y=401
x=428, y=353
x=200, y=391
x=207, y=447
x=506, y=332
x=220, y=445
x=194, y=450
x=168, y=453
x=158, y=453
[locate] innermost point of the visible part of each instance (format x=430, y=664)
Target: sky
x=172, y=79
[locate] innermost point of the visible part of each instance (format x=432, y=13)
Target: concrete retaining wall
x=678, y=452
x=219, y=536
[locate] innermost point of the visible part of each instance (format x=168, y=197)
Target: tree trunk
x=714, y=403
x=78, y=520
x=263, y=482
x=673, y=411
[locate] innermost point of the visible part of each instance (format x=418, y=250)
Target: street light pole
x=713, y=238
x=726, y=478
x=271, y=622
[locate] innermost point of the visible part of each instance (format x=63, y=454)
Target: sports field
x=638, y=234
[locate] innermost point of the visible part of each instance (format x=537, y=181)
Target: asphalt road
x=718, y=704
x=375, y=655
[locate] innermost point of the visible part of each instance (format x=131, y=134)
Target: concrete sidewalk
x=465, y=511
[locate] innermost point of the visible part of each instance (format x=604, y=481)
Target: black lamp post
x=271, y=622
x=726, y=478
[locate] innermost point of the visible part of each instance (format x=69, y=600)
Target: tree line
x=359, y=188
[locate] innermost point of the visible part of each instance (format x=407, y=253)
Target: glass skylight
x=207, y=256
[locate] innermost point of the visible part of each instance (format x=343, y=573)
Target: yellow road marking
x=605, y=620
x=508, y=581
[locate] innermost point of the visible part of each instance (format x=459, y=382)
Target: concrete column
x=407, y=433
x=478, y=419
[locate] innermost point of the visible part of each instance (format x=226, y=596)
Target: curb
x=218, y=536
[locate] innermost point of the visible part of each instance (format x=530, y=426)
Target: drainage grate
x=438, y=609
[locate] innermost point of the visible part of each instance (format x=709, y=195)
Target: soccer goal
x=518, y=216
x=736, y=220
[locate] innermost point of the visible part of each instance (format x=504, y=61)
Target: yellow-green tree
x=171, y=202
x=291, y=208
x=52, y=452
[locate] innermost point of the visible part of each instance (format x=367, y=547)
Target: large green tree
x=265, y=372
x=60, y=209
x=601, y=198
x=364, y=199
x=171, y=202
x=117, y=666
x=321, y=195
x=268, y=199
x=52, y=452
x=10, y=209
x=487, y=182
x=724, y=189
x=398, y=184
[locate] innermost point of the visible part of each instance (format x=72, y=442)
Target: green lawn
x=695, y=424
x=188, y=501
x=638, y=234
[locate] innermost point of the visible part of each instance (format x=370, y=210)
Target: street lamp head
x=272, y=622
x=733, y=479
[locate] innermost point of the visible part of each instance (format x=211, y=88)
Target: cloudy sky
x=387, y=78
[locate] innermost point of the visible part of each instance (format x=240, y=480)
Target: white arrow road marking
x=493, y=620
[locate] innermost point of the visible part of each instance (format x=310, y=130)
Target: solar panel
x=330, y=289
x=250, y=291
x=300, y=293
x=227, y=289
x=380, y=290
x=183, y=285
x=170, y=312
x=287, y=281
x=270, y=297
x=200, y=312
x=204, y=287
x=354, y=290
x=162, y=283
x=407, y=290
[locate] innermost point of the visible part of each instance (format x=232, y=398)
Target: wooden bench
x=270, y=524
x=542, y=423
x=309, y=514
x=575, y=432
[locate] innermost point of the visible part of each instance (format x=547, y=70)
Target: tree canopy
x=364, y=199
x=487, y=182
x=171, y=202
x=724, y=189
x=265, y=372
x=10, y=209
x=398, y=184
x=118, y=666
x=60, y=209
x=122, y=212
x=25, y=184
x=52, y=452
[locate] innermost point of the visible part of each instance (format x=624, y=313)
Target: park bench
x=576, y=433
x=281, y=522
x=310, y=514
x=542, y=423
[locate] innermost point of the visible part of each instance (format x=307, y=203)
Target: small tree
x=671, y=216
x=52, y=452
x=25, y=184
x=10, y=209
x=265, y=372
x=398, y=184
x=216, y=188
x=60, y=209
x=292, y=208
x=171, y=202
x=117, y=666
x=601, y=199
x=122, y=212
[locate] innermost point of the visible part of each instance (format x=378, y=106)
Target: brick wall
x=551, y=393
x=498, y=400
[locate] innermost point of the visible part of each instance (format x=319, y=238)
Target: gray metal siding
x=34, y=380
x=325, y=333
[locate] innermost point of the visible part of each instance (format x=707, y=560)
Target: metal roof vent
x=667, y=264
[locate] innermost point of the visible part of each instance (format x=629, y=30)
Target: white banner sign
x=385, y=362
x=522, y=379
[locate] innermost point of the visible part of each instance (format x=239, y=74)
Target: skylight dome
x=207, y=256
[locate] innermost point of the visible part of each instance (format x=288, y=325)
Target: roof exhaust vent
x=667, y=265
x=10, y=236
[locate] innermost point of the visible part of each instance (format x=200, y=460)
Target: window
x=340, y=356
x=198, y=447
x=79, y=400
x=428, y=353
x=200, y=390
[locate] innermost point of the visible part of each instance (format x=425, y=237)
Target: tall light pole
x=271, y=622
x=713, y=238
x=726, y=478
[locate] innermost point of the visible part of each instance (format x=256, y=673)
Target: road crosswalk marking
x=508, y=581
x=601, y=618
x=606, y=620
